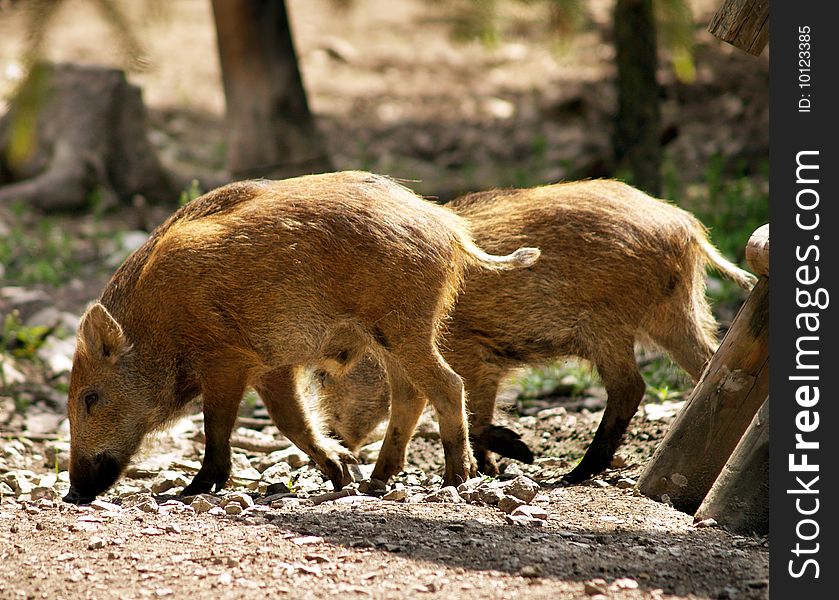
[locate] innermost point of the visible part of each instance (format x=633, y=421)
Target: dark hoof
x=199, y=487
x=580, y=474
x=373, y=487
x=486, y=464
x=506, y=442
x=572, y=479
x=74, y=497
x=335, y=474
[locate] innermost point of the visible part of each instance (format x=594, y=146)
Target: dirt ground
x=599, y=538
x=393, y=93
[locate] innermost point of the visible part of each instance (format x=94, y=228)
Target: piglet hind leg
x=278, y=390
x=433, y=377
x=482, y=379
x=222, y=394
x=482, y=388
x=625, y=389
x=406, y=407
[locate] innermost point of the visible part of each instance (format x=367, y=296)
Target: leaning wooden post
x=739, y=499
x=731, y=390
x=742, y=23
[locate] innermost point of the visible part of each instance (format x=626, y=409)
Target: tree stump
x=73, y=130
x=739, y=499
x=742, y=23
x=730, y=392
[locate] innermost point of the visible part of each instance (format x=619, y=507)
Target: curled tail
x=523, y=257
x=728, y=269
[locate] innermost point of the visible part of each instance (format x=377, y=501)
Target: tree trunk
x=271, y=132
x=636, y=141
x=739, y=500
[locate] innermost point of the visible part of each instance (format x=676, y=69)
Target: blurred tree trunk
x=271, y=132
x=636, y=144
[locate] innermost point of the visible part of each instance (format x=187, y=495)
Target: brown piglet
x=617, y=267
x=250, y=284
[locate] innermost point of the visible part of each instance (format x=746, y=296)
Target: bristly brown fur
x=250, y=283
x=617, y=267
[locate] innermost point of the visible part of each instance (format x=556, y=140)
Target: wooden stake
x=720, y=409
x=739, y=499
x=742, y=23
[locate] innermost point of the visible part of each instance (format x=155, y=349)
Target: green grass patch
x=575, y=379
x=665, y=380
x=568, y=379
x=18, y=339
x=39, y=254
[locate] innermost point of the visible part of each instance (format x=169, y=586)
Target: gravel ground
x=279, y=529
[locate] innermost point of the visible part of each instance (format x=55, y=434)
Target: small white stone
x=307, y=540
x=618, y=462
x=39, y=493
x=293, y=456
x=595, y=587
x=201, y=504
x=396, y=495
x=20, y=481
x=241, y=499
x=168, y=480
x=534, y=512
x=470, y=495
x=470, y=484
x=48, y=480
x=10, y=374
x=57, y=354
x=95, y=543
x=447, y=495
x=625, y=583
x=103, y=506
x=510, y=503
x=522, y=487
x=233, y=509
x=490, y=494
x=149, y=506
x=523, y=520
x=706, y=523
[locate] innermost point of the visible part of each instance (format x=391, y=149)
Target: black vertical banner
x=804, y=190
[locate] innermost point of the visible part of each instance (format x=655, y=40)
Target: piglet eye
x=90, y=399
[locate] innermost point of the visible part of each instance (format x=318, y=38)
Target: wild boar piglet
x=248, y=285
x=617, y=267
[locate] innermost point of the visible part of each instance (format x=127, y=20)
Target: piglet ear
x=100, y=336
